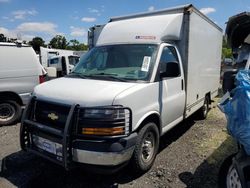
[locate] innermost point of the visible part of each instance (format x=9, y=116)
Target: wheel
x=232, y=178
x=228, y=175
x=10, y=112
x=203, y=111
x=146, y=148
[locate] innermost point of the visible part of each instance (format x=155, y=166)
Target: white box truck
x=145, y=74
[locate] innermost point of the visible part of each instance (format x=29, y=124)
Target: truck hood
x=85, y=92
x=238, y=29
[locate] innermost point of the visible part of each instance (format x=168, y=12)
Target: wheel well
x=11, y=96
x=152, y=118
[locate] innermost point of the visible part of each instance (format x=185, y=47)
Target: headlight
x=105, y=121
x=104, y=113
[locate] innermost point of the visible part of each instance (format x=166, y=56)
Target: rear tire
x=10, y=112
x=146, y=148
x=203, y=111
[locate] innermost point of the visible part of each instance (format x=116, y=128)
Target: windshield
x=126, y=61
x=73, y=60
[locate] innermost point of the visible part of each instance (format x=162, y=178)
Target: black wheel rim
x=7, y=112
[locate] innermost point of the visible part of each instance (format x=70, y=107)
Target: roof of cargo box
x=148, y=27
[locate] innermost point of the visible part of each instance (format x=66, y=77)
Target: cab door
x=171, y=87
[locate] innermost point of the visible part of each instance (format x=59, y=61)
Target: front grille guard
x=25, y=135
x=66, y=135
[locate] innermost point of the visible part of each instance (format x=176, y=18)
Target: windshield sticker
x=146, y=37
x=146, y=63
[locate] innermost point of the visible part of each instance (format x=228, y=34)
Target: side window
x=54, y=61
x=73, y=60
x=169, y=55
x=169, y=63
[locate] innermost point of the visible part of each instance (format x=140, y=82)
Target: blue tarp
x=237, y=110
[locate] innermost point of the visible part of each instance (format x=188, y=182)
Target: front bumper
x=102, y=158
x=101, y=153
x=104, y=153
x=62, y=147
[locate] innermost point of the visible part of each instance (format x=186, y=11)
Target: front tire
x=146, y=148
x=10, y=112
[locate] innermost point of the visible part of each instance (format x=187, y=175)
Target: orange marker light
x=104, y=131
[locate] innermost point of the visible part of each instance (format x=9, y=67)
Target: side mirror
x=52, y=73
x=171, y=69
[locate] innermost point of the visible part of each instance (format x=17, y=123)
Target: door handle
x=182, y=84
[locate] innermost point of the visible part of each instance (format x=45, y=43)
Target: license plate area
x=47, y=145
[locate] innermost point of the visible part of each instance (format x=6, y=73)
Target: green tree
x=36, y=42
x=74, y=42
x=73, y=45
x=76, y=45
x=226, y=50
x=58, y=42
x=227, y=53
x=83, y=47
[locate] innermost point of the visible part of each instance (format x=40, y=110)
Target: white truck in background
x=64, y=64
x=144, y=74
x=63, y=60
x=47, y=53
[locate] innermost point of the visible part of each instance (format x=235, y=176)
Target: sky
x=26, y=19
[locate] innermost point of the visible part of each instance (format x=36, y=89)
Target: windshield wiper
x=76, y=74
x=109, y=76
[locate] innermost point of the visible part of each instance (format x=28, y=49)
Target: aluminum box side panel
x=204, y=57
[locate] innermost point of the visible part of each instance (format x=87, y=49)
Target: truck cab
x=64, y=64
x=144, y=75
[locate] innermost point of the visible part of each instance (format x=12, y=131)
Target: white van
x=20, y=72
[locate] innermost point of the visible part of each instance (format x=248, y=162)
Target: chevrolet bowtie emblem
x=53, y=116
